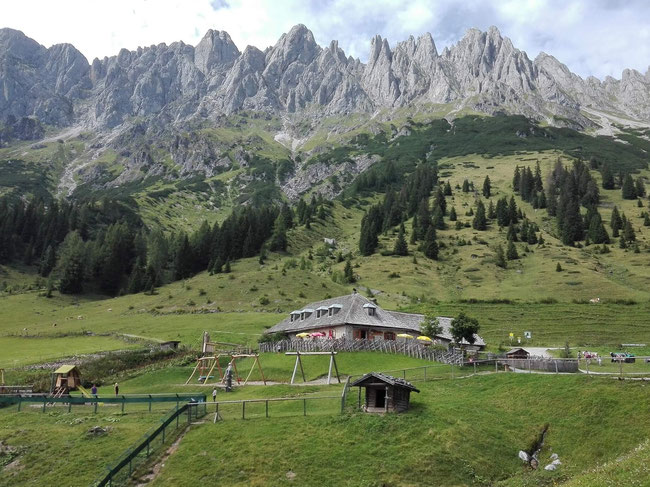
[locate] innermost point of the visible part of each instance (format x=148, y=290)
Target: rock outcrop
x=179, y=82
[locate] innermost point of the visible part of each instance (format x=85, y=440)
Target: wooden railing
x=406, y=347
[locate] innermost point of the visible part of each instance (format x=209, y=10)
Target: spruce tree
x=71, y=264
x=465, y=187
x=500, y=258
x=512, y=211
x=596, y=231
x=558, y=267
x=629, y=189
x=515, y=180
x=503, y=216
x=640, y=187
x=437, y=219
x=448, y=189
x=615, y=222
x=607, y=177
x=279, y=238
x=452, y=214
x=491, y=212
x=512, y=233
x=348, y=272
x=480, y=220
x=48, y=261
x=511, y=253
x=646, y=220
x=487, y=187
x=628, y=232
x=414, y=230
x=430, y=245
x=401, y=247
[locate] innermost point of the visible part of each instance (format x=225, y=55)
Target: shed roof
x=388, y=379
x=65, y=369
x=515, y=350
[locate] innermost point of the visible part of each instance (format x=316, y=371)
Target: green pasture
x=464, y=432
x=18, y=351
x=55, y=448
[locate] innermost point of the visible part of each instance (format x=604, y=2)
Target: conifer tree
x=448, y=189
x=515, y=180
x=500, y=258
x=511, y=253
x=452, y=214
x=401, y=247
x=71, y=264
x=279, y=238
x=616, y=223
x=437, y=220
x=348, y=272
x=640, y=187
x=480, y=220
x=607, y=177
x=487, y=187
x=596, y=230
x=628, y=232
x=629, y=189
x=512, y=211
x=430, y=245
x=503, y=216
x=465, y=187
x=491, y=212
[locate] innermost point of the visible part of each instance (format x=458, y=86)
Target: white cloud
x=599, y=37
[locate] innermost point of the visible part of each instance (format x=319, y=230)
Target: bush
x=264, y=301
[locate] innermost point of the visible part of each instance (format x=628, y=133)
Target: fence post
x=43, y=405
x=20, y=401
x=425, y=374
x=474, y=368
x=149, y=402
x=95, y=405
x=123, y=403
x=70, y=406
x=243, y=410
x=304, y=407
x=267, y=408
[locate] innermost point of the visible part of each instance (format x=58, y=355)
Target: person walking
x=117, y=389
x=214, y=396
x=93, y=390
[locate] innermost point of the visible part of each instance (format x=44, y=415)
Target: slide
x=84, y=391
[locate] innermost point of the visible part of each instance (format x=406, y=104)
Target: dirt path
x=155, y=469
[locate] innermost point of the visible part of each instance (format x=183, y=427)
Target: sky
x=592, y=37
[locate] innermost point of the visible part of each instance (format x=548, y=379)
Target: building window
x=389, y=335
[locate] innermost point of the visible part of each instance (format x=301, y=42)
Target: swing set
x=302, y=370
x=206, y=364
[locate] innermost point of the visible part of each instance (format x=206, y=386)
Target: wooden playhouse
x=384, y=393
x=65, y=379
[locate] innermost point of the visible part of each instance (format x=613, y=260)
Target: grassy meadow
x=464, y=432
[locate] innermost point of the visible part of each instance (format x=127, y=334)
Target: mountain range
x=483, y=72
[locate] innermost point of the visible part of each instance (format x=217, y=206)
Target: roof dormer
x=321, y=311
x=370, y=309
x=306, y=313
x=333, y=309
x=294, y=315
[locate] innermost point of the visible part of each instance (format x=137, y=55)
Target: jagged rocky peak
x=176, y=83
x=215, y=48
x=15, y=43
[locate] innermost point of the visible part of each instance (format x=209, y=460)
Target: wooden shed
x=517, y=353
x=384, y=393
x=66, y=378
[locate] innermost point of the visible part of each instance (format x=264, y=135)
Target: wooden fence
x=405, y=347
x=543, y=364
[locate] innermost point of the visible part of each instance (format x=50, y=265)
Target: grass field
x=54, y=448
x=464, y=432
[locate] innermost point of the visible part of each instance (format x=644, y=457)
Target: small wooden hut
x=66, y=378
x=518, y=353
x=384, y=393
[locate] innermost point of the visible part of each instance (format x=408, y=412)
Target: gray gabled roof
x=388, y=379
x=352, y=312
